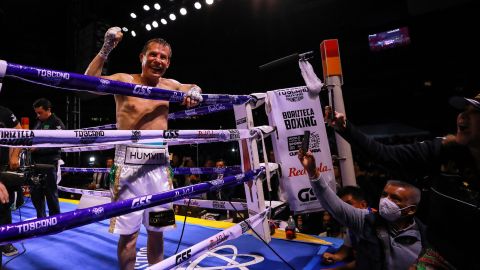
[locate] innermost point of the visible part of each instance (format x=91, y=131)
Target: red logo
x=206, y=134
x=299, y=172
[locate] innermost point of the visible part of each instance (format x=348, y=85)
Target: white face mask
x=389, y=210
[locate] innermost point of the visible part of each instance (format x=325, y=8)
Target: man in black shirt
x=9, y=159
x=48, y=187
x=452, y=165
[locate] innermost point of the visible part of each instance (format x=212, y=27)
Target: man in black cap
x=452, y=165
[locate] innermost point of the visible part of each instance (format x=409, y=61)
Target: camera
x=32, y=175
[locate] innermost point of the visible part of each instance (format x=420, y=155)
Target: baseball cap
x=461, y=102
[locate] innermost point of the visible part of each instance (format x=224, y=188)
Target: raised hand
x=112, y=37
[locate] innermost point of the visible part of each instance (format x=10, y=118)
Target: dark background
x=221, y=46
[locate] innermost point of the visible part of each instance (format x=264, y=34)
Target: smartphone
x=306, y=141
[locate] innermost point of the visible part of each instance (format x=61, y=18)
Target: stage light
x=156, y=6
x=155, y=24
x=146, y=7
x=209, y=2
x=133, y=15
x=124, y=29
x=172, y=17
x=183, y=11
x=148, y=27
x=163, y=21
x=197, y=5
x=133, y=33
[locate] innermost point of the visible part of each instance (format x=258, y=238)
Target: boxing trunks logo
x=145, y=156
x=161, y=219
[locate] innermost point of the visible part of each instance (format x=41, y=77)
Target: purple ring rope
x=79, y=82
x=104, y=127
x=178, y=170
x=60, y=222
x=84, y=170
x=64, y=138
x=200, y=111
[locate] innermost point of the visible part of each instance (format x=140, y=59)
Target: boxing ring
x=100, y=138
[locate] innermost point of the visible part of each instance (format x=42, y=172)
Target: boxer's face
x=156, y=60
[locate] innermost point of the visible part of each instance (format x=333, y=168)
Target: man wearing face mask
x=389, y=239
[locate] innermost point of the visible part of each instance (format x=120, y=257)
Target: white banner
x=293, y=111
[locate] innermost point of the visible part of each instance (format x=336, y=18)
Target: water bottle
x=290, y=229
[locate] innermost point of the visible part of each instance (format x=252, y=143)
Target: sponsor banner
x=43, y=226
x=210, y=243
x=293, y=111
x=78, y=82
x=76, y=138
x=145, y=156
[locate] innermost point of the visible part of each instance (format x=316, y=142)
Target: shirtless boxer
x=136, y=176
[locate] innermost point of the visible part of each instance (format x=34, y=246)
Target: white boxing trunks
x=142, y=170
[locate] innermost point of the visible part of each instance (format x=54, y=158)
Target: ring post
x=249, y=154
x=332, y=74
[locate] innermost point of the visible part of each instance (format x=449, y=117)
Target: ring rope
x=54, y=224
x=74, y=138
x=177, y=170
x=213, y=241
x=78, y=82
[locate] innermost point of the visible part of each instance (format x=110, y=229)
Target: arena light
x=209, y=2
x=148, y=27
x=172, y=17
x=133, y=33
x=156, y=6
x=133, y=15
x=146, y=7
x=183, y=11
x=155, y=24
x=163, y=21
x=197, y=5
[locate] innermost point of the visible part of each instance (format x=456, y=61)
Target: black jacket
x=48, y=155
x=454, y=208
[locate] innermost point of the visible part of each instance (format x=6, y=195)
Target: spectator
x=9, y=159
x=355, y=197
x=452, y=165
x=102, y=179
x=47, y=188
x=390, y=239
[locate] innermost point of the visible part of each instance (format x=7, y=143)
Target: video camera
x=32, y=175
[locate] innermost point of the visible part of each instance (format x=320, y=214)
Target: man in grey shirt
x=389, y=239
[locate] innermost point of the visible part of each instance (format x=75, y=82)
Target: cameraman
x=47, y=188
x=9, y=159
